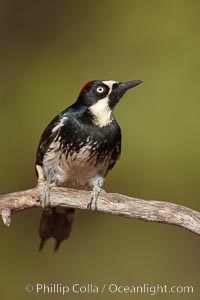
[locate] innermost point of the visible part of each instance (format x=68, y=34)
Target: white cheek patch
x=101, y=112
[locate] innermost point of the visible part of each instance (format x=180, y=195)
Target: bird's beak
x=124, y=86
x=120, y=89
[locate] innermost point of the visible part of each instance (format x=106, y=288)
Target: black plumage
x=77, y=133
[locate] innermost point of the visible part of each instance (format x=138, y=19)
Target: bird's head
x=101, y=96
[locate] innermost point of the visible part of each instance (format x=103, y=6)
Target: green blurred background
x=49, y=49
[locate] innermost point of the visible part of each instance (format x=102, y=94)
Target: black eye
x=100, y=89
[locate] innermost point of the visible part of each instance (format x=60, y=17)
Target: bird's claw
x=92, y=205
x=45, y=195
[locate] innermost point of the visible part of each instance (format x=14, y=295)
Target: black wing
x=47, y=138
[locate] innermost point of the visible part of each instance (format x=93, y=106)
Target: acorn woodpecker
x=77, y=149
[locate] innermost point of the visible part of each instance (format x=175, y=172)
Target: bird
x=77, y=150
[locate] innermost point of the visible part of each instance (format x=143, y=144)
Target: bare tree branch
x=112, y=203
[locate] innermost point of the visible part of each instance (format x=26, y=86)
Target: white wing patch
x=60, y=124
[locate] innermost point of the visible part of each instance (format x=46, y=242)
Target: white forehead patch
x=109, y=83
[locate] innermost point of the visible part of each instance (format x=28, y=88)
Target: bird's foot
x=45, y=195
x=92, y=205
x=97, y=183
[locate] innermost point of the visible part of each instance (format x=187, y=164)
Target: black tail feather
x=42, y=243
x=57, y=223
